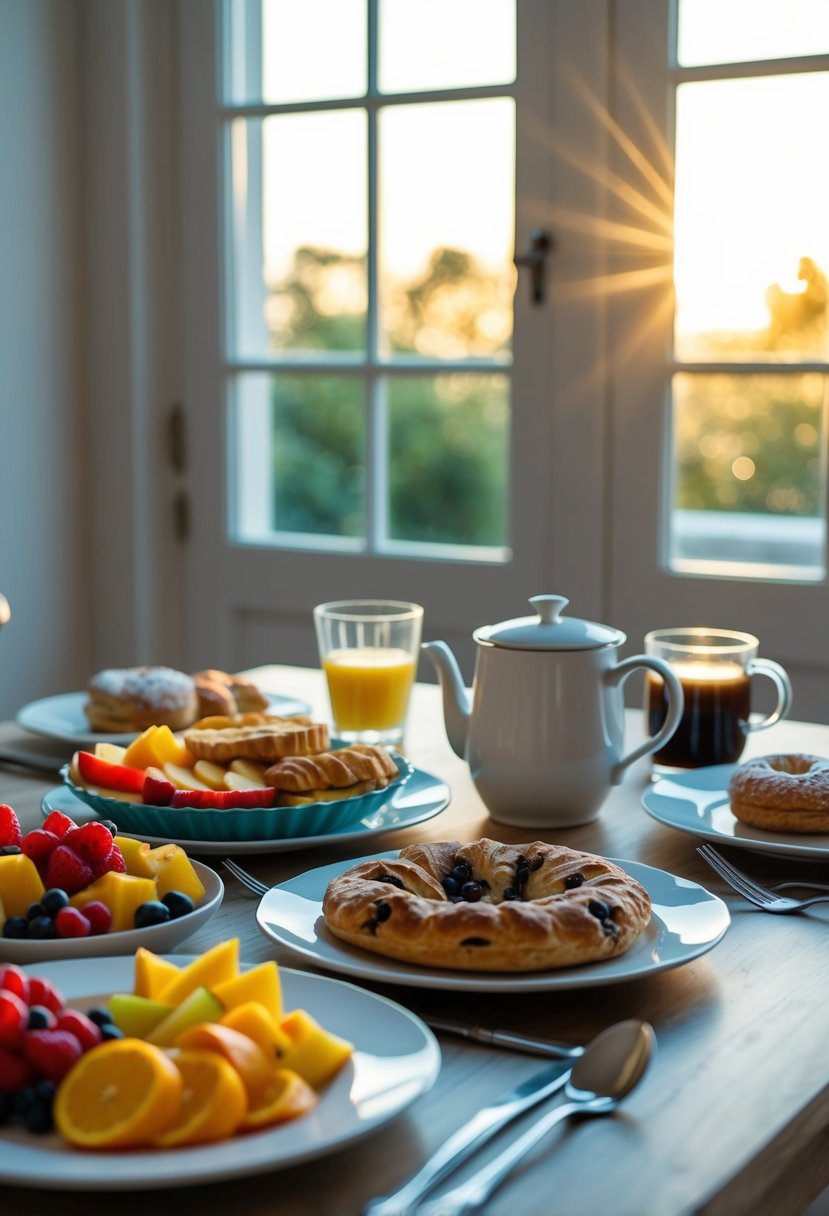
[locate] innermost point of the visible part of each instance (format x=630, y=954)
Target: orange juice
x=369, y=686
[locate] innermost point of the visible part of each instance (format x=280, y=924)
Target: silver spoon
x=612, y=1065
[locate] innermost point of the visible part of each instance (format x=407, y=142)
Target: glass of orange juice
x=368, y=650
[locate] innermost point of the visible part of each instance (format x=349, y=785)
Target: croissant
x=333, y=770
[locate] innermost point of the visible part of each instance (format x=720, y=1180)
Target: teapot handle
x=676, y=701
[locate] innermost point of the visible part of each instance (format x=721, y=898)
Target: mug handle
x=777, y=675
x=676, y=703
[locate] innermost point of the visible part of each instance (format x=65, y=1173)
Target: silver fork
x=242, y=876
x=760, y=896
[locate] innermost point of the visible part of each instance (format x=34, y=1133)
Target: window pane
x=737, y=31
x=298, y=458
x=299, y=260
x=282, y=51
x=750, y=469
x=447, y=228
x=752, y=241
x=448, y=444
x=433, y=44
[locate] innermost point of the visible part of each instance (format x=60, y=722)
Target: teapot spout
x=456, y=709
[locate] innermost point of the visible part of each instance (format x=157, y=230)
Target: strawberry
x=71, y=922
x=57, y=823
x=39, y=844
x=99, y=916
x=15, y=980
x=83, y=1028
x=68, y=871
x=52, y=1052
x=10, y=832
x=14, y=1018
x=43, y=992
x=157, y=791
x=15, y=1071
x=93, y=841
x=114, y=860
x=223, y=799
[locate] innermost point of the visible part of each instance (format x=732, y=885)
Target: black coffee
x=714, y=721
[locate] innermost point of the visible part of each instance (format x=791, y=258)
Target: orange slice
x=247, y=1057
x=213, y=1101
x=122, y=1094
x=287, y=1097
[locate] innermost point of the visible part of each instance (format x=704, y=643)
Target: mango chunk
x=173, y=871
x=316, y=1054
x=20, y=883
x=140, y=753
x=256, y=1022
x=260, y=984
x=170, y=750
x=122, y=894
x=219, y=963
x=152, y=973
x=135, y=853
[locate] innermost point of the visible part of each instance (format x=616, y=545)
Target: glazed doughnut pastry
x=487, y=906
x=129, y=699
x=784, y=793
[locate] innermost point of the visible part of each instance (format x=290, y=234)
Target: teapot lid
x=549, y=630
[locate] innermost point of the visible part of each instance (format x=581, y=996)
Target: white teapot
x=544, y=733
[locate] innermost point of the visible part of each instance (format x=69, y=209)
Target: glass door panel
x=432, y=44
x=741, y=30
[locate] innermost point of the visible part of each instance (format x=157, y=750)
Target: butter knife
x=477, y=1132
x=508, y=1039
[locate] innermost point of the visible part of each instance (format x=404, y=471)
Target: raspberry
x=43, y=992
x=58, y=823
x=39, y=846
x=114, y=860
x=10, y=832
x=15, y=1071
x=92, y=841
x=68, y=871
x=14, y=1019
x=71, y=922
x=82, y=1027
x=14, y=980
x=99, y=916
x=52, y=1052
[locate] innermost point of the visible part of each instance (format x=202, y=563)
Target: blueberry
x=572, y=881
x=9, y=850
x=450, y=885
x=34, y=911
x=40, y=1018
x=153, y=912
x=599, y=909
x=472, y=891
x=112, y=827
x=52, y=901
x=41, y=928
x=511, y=893
x=98, y=1015
x=6, y=1106
x=38, y=1118
x=462, y=871
x=15, y=926
x=177, y=903
x=111, y=1031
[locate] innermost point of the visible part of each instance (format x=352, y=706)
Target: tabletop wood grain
x=733, y=1115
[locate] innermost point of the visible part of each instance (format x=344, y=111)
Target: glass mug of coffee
x=715, y=668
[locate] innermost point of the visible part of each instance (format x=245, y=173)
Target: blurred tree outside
x=752, y=443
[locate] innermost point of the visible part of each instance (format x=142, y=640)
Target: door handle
x=540, y=244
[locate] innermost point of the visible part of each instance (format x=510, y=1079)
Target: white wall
x=44, y=570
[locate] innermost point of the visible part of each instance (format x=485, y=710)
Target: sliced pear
x=137, y=1016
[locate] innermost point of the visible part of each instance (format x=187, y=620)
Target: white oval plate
x=158, y=938
x=422, y=797
x=63, y=717
x=396, y=1059
x=687, y=921
x=697, y=802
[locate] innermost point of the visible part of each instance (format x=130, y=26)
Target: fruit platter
x=76, y=891
x=192, y=1068
x=171, y=783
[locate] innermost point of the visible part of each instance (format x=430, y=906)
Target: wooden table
x=733, y=1116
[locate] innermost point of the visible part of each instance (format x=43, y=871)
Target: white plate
x=697, y=802
x=396, y=1059
x=63, y=717
x=157, y=938
x=422, y=797
x=687, y=920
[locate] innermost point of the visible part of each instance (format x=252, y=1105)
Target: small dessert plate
x=158, y=938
